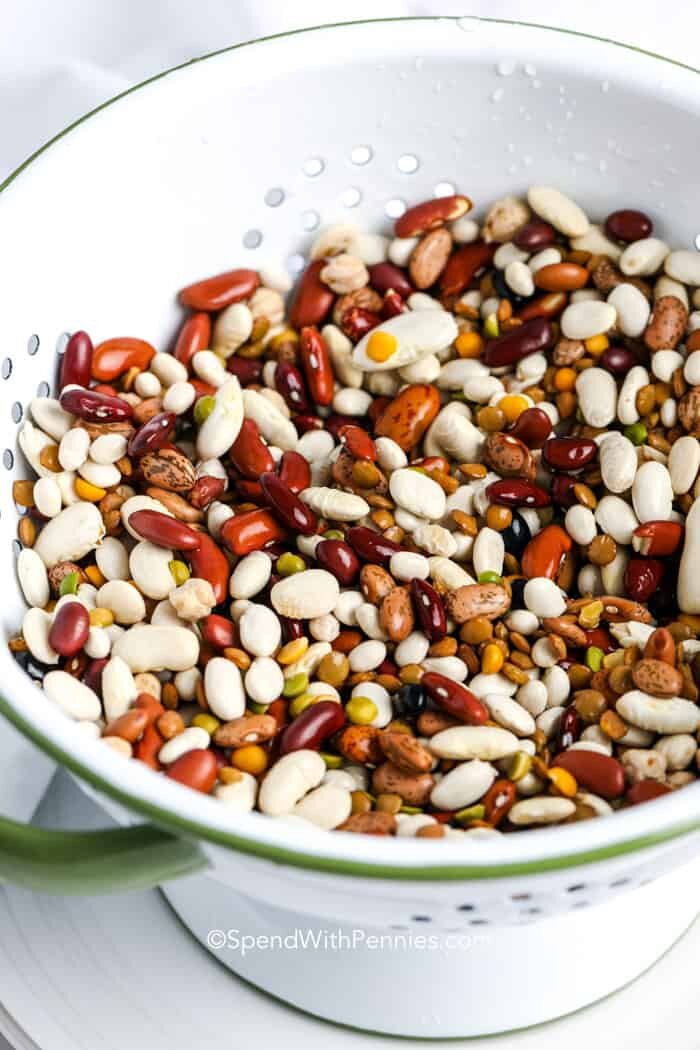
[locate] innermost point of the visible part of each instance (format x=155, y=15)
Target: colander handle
x=93, y=862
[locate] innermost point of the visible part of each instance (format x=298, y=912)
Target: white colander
x=236, y=160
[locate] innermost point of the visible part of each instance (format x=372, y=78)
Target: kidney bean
x=316, y=363
x=642, y=578
x=385, y=277
x=529, y=338
x=357, y=322
x=430, y=463
x=251, y=531
x=371, y=546
x=313, y=299
x=152, y=436
x=532, y=427
x=658, y=538
x=93, y=674
x=210, y=563
x=545, y=306
x=201, y=388
x=561, y=277
x=291, y=629
x=294, y=472
x=628, y=225
x=430, y=214
x=430, y=610
x=195, y=335
x=147, y=748
x=247, y=370
x=645, y=791
x=129, y=726
x=164, y=531
x=287, y=505
x=601, y=774
x=358, y=442
x=498, y=800
x=307, y=422
x=70, y=629
x=569, y=453
x=249, y=453
x=205, y=490
x=215, y=293
x=314, y=725
x=195, y=769
x=452, y=697
x=561, y=489
x=218, y=631
x=661, y=646
x=339, y=558
x=618, y=360
x=534, y=236
x=544, y=552
x=289, y=382
x=95, y=407
x=393, y=305
x=463, y=266
x=250, y=491
x=407, y=416
x=151, y=705
x=116, y=356
x=514, y=492
x=76, y=363
x=600, y=637
x=570, y=728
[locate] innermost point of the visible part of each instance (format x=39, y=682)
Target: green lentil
x=492, y=329
x=519, y=766
x=288, y=564
x=636, y=433
x=179, y=571
x=477, y=812
x=256, y=708
x=333, y=534
x=295, y=685
x=206, y=722
x=300, y=703
x=332, y=761
x=489, y=577
x=594, y=657
x=69, y=584
x=203, y=408
x=361, y=711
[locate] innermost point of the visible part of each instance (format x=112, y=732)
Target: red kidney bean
x=393, y=305
x=251, y=531
x=532, y=427
x=429, y=214
x=528, y=338
x=561, y=489
x=358, y=442
x=454, y=698
x=294, y=471
x=569, y=453
x=463, y=266
x=116, y=356
x=498, y=800
x=246, y=370
x=384, y=276
x=313, y=299
x=215, y=293
x=600, y=774
x=642, y=578
x=249, y=453
x=570, y=728
x=196, y=769
x=287, y=505
x=164, y=531
x=545, y=306
x=600, y=637
x=105, y=388
x=308, y=422
x=201, y=389
x=338, y=558
x=250, y=491
x=371, y=546
x=76, y=362
x=152, y=436
x=513, y=492
x=291, y=629
x=316, y=363
x=147, y=748
x=209, y=562
x=93, y=674
x=289, y=382
x=429, y=463
x=387, y=666
x=430, y=610
x=618, y=360
x=195, y=335
x=205, y=490
x=70, y=629
x=534, y=236
x=543, y=554
x=658, y=538
x=336, y=423
x=95, y=407
x=645, y=791
x=628, y=225
x=314, y=725
x=218, y=631
x=357, y=322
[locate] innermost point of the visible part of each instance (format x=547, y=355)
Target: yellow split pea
x=381, y=346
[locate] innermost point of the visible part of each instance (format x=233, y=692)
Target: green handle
x=93, y=862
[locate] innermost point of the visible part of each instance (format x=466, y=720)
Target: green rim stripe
x=172, y=820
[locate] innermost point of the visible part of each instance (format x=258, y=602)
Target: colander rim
x=342, y=855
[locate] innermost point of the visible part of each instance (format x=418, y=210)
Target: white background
x=60, y=58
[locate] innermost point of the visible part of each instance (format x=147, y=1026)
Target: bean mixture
x=412, y=552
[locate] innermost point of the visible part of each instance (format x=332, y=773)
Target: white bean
x=580, y=524
x=108, y=448
x=367, y=655
x=150, y=569
x=194, y=738
x=597, y=395
x=510, y=714
x=643, y=258
x=305, y=595
x=543, y=597
x=463, y=785
x=264, y=680
x=326, y=806
x=112, y=559
x=618, y=462
x=123, y=600
x=119, y=689
x=73, y=449
x=223, y=688
x=652, y=494
x=146, y=647
x=71, y=535
x=563, y=213
x=463, y=742
x=260, y=630
x=33, y=578
x=35, y=631
x=667, y=715
x=290, y=778
x=47, y=497
x=689, y=571
x=541, y=809
x=684, y=463
x=335, y=505
x=617, y=518
x=683, y=266
x=636, y=378
x=74, y=698
x=488, y=552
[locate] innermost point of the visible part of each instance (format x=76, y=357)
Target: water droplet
x=313, y=166
x=602, y=166
x=497, y=95
x=419, y=63
x=295, y=263
x=512, y=168
x=468, y=24
x=697, y=242
x=444, y=189
x=529, y=70
x=361, y=154
x=578, y=158
x=562, y=89
x=408, y=163
x=505, y=68
x=351, y=197
x=395, y=207
x=605, y=86
x=310, y=220
x=274, y=197
x=511, y=147
x=537, y=83
x=528, y=161
x=252, y=239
